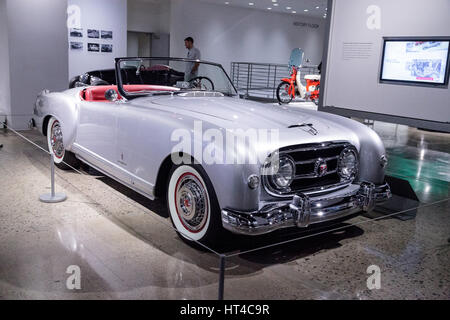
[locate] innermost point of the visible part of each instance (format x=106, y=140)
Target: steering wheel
x=202, y=83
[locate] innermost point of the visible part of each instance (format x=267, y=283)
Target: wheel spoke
x=191, y=203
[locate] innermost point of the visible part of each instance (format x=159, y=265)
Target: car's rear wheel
x=62, y=158
x=193, y=205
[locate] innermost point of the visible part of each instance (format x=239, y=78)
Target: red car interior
x=97, y=93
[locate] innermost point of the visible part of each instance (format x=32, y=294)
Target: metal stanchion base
x=57, y=197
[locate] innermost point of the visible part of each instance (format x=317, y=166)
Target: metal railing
x=260, y=80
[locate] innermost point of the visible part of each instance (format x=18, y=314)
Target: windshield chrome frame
x=135, y=95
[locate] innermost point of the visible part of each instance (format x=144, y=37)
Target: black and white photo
x=76, y=32
x=77, y=46
x=107, y=48
x=93, y=33
x=108, y=35
x=93, y=47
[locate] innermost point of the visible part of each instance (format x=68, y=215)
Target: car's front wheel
x=63, y=159
x=193, y=206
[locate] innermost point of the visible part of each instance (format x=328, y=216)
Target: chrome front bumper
x=303, y=210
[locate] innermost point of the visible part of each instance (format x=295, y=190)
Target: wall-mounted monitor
x=415, y=61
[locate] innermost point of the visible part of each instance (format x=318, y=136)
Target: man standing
x=193, y=53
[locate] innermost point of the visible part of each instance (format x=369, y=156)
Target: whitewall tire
x=55, y=143
x=192, y=205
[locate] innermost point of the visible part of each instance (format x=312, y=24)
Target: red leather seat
x=97, y=93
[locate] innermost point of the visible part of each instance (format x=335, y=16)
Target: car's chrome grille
x=307, y=157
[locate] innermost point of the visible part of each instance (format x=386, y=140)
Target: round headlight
x=285, y=174
x=348, y=164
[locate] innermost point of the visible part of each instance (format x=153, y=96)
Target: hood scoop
x=307, y=127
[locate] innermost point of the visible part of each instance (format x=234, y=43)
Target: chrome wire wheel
x=56, y=140
x=191, y=202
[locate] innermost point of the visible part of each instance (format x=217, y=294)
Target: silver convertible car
x=222, y=162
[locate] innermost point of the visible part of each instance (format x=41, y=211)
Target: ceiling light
x=306, y=10
x=269, y=8
x=251, y=4
x=294, y=11
x=227, y=2
x=275, y=4
x=288, y=8
x=274, y=0
x=317, y=7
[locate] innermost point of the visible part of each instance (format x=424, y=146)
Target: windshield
x=144, y=76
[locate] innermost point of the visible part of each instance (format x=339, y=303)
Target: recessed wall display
x=76, y=32
x=107, y=35
x=417, y=61
x=107, y=48
x=93, y=47
x=76, y=45
x=93, y=33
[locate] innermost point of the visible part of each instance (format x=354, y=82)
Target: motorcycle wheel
x=283, y=95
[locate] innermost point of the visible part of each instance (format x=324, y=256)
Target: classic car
x=154, y=134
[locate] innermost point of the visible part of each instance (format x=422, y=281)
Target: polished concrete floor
x=126, y=248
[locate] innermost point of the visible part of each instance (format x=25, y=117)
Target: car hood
x=233, y=113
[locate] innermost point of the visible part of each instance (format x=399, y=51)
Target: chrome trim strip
x=314, y=160
x=314, y=175
x=113, y=171
x=320, y=146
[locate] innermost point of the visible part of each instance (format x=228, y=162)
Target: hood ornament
x=307, y=127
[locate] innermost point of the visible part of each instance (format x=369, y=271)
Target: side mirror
x=111, y=95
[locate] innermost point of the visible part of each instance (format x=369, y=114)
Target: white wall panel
x=5, y=107
x=38, y=53
x=225, y=33
x=109, y=15
x=353, y=83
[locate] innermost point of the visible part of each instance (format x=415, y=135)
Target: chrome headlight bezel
x=342, y=168
x=284, y=161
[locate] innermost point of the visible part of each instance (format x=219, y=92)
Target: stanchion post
x=221, y=276
x=53, y=197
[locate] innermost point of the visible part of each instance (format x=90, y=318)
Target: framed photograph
x=76, y=32
x=417, y=61
x=107, y=48
x=93, y=33
x=76, y=46
x=107, y=35
x=93, y=47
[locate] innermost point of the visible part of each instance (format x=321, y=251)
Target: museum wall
x=5, y=107
x=226, y=33
x=108, y=15
x=150, y=17
x=352, y=82
x=38, y=53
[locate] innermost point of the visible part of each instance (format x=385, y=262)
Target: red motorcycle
x=288, y=87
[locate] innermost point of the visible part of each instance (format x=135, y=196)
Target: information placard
x=415, y=61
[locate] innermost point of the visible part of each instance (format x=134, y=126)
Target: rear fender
x=64, y=108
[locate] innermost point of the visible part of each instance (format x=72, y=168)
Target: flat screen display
x=414, y=61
